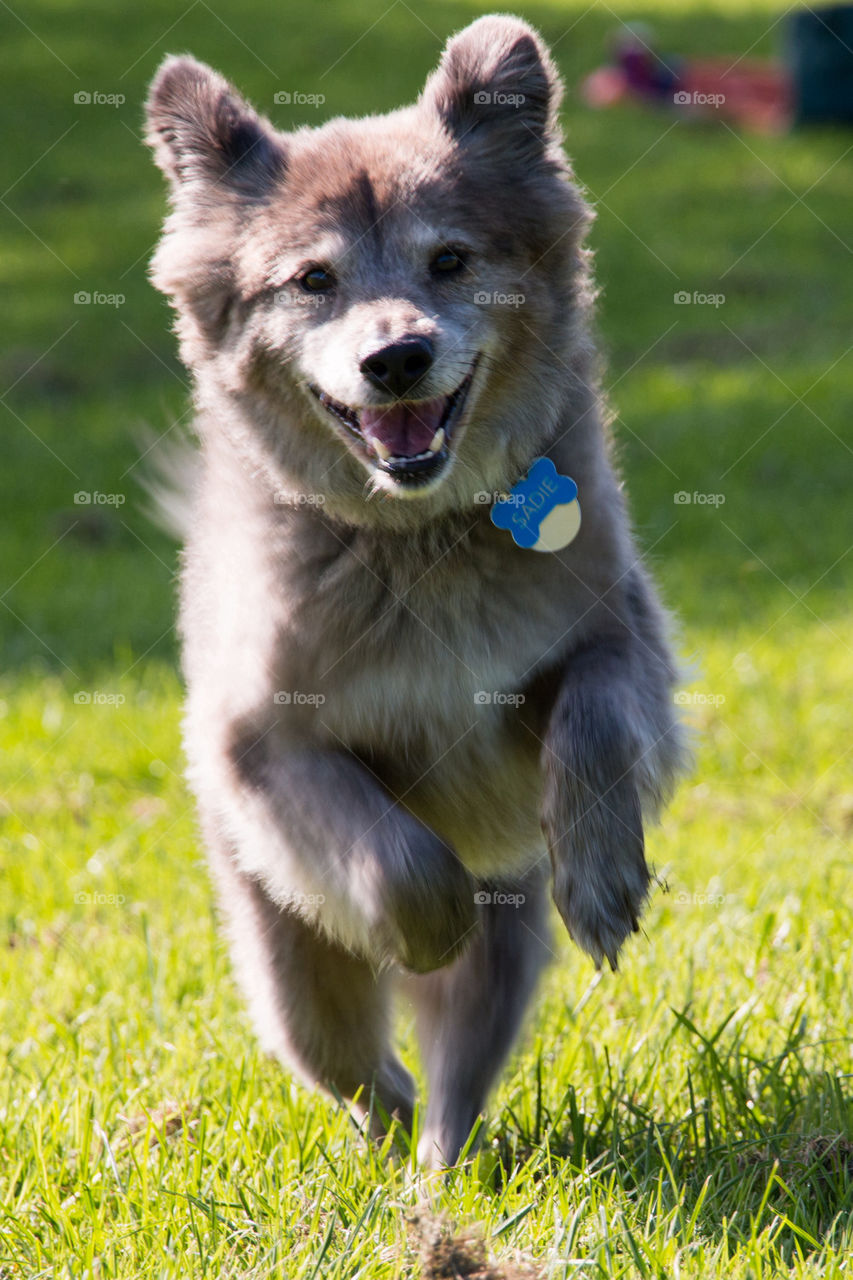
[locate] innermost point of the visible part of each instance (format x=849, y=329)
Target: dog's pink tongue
x=404, y=429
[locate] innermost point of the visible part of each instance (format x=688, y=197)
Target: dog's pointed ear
x=204, y=134
x=497, y=81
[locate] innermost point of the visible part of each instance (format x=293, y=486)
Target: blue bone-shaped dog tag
x=542, y=511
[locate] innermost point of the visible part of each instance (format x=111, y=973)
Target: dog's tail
x=168, y=471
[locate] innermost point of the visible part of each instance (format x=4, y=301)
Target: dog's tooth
x=437, y=442
x=381, y=450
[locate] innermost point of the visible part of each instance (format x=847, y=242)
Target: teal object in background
x=820, y=55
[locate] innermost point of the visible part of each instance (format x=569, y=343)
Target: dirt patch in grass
x=446, y=1254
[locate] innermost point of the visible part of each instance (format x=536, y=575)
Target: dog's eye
x=317, y=280
x=447, y=262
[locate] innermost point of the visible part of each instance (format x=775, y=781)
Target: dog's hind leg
x=320, y=1009
x=469, y=1014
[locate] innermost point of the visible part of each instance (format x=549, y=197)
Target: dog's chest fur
x=424, y=657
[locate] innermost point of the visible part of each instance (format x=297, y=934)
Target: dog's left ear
x=496, y=81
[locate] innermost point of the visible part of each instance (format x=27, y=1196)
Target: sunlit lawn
x=690, y=1116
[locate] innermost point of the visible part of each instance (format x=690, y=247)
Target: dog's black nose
x=397, y=367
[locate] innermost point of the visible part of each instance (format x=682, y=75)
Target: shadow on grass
x=762, y=1144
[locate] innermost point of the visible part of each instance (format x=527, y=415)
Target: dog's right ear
x=206, y=136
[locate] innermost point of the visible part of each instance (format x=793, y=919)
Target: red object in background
x=756, y=94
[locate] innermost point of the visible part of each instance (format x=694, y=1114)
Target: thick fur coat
x=400, y=725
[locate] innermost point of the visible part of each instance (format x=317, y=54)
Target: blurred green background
x=750, y=400
x=680, y=206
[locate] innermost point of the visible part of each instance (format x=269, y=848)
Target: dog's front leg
x=596, y=737
x=321, y=833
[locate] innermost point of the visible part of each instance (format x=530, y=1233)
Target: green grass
x=690, y=1116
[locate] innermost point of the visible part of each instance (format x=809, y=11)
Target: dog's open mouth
x=407, y=439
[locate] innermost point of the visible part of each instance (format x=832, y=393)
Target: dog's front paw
x=600, y=877
x=600, y=910
x=429, y=911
